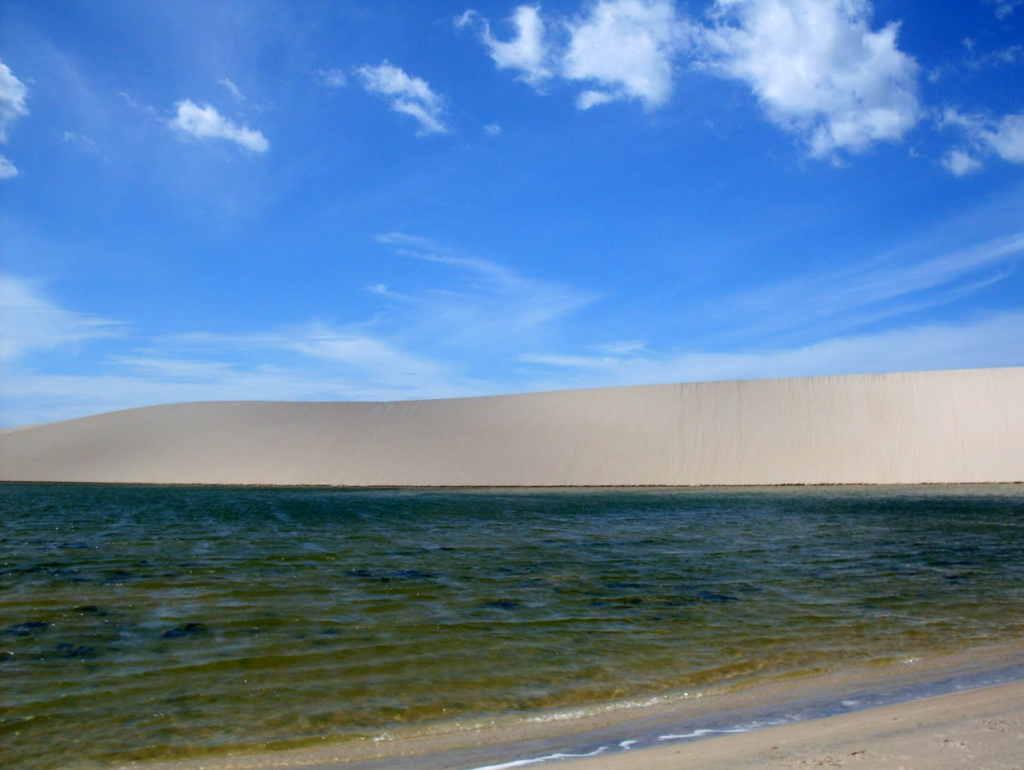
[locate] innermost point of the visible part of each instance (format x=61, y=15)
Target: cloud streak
x=487, y=301
x=33, y=323
x=991, y=340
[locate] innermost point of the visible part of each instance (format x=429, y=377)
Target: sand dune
x=942, y=427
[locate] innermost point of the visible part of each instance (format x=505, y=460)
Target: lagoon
x=148, y=622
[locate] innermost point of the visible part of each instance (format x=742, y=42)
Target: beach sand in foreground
x=978, y=729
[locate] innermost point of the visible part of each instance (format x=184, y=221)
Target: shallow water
x=158, y=622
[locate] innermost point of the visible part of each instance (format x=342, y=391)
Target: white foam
x=724, y=731
x=538, y=760
x=700, y=734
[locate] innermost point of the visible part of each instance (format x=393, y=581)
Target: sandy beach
x=962, y=426
x=979, y=729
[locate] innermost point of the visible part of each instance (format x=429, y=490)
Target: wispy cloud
x=373, y=361
x=816, y=325
x=1004, y=8
x=407, y=94
x=424, y=343
x=31, y=322
x=890, y=285
x=995, y=339
x=482, y=302
x=232, y=89
x=313, y=361
x=473, y=326
x=331, y=78
x=204, y=122
x=80, y=140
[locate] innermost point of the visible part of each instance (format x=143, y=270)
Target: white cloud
x=30, y=322
x=818, y=69
x=1007, y=138
x=625, y=48
x=1003, y=137
x=7, y=169
x=232, y=88
x=619, y=49
x=492, y=129
x=206, y=122
x=588, y=99
x=525, y=52
x=331, y=78
x=12, y=106
x=960, y=163
x=13, y=95
x=407, y=94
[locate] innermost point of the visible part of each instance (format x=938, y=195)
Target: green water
x=157, y=622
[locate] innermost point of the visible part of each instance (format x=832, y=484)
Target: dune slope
x=901, y=428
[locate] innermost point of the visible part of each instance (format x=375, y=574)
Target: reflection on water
x=145, y=622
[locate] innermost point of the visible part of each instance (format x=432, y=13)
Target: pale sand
x=905, y=428
x=976, y=730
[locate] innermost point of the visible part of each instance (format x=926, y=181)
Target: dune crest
x=963, y=426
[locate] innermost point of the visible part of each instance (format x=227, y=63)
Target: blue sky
x=390, y=200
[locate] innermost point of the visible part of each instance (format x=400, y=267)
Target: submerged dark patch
x=187, y=630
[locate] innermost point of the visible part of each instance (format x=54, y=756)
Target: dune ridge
x=962, y=426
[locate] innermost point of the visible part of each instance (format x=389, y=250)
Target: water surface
x=161, y=622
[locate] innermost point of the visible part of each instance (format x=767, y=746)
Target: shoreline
x=809, y=722
x=979, y=728
x=845, y=485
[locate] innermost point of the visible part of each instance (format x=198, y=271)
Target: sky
x=401, y=200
